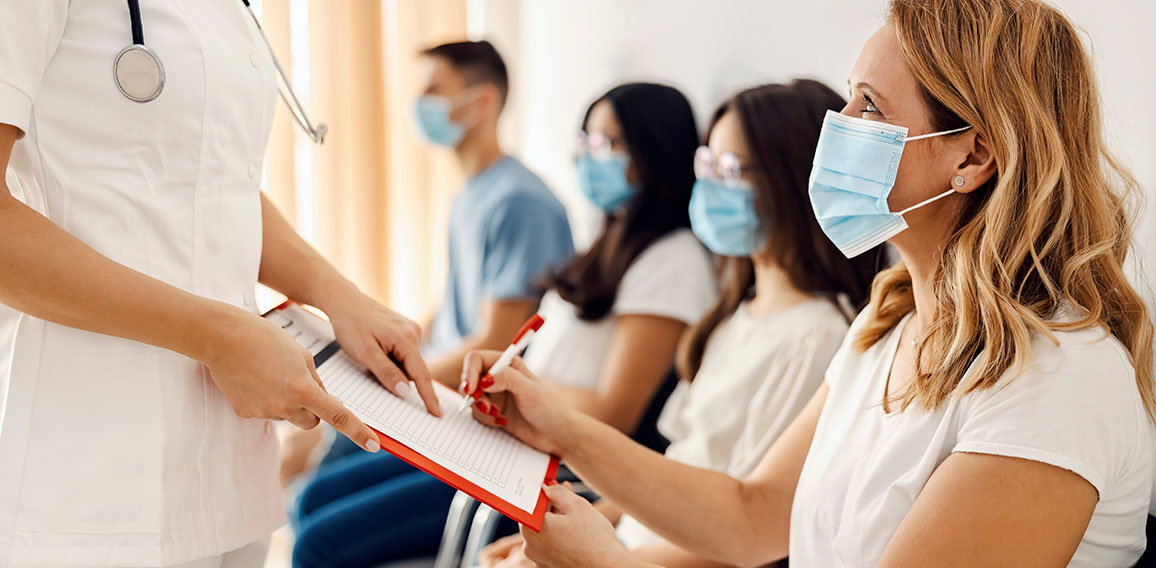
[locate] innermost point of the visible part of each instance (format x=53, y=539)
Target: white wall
x=563, y=54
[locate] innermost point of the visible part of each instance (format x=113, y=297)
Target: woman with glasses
x=788, y=294
x=615, y=313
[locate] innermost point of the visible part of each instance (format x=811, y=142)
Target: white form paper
x=487, y=457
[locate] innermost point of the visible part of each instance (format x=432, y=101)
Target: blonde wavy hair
x=1051, y=229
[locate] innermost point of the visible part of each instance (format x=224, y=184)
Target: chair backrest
x=647, y=432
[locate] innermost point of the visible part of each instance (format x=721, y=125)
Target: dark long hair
x=658, y=126
x=781, y=124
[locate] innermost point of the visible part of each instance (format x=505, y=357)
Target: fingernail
x=550, y=482
x=372, y=446
x=501, y=421
x=493, y=411
x=486, y=382
x=402, y=389
x=482, y=406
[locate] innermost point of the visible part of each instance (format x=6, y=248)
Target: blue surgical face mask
x=854, y=170
x=723, y=217
x=603, y=180
x=433, y=121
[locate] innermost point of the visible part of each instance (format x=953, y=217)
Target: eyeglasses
x=600, y=145
x=725, y=167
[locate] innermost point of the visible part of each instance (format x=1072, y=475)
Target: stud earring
x=959, y=181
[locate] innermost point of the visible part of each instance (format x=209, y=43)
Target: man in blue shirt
x=506, y=227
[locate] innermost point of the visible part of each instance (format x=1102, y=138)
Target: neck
x=478, y=150
x=921, y=247
x=921, y=264
x=773, y=289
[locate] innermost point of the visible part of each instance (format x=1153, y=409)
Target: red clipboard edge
x=532, y=520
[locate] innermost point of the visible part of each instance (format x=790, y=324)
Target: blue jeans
x=366, y=509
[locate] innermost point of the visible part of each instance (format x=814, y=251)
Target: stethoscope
x=140, y=74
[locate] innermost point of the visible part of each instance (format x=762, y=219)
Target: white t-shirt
x=757, y=374
x=673, y=278
x=1076, y=407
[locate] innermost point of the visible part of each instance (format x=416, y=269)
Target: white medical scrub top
x=112, y=452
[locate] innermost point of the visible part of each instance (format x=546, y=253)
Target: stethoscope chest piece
x=139, y=73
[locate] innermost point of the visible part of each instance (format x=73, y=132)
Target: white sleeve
x=793, y=377
x=673, y=278
x=1076, y=408
x=30, y=31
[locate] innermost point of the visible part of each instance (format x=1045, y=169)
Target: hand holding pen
x=521, y=341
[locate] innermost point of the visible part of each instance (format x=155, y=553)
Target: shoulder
x=821, y=316
x=1074, y=403
x=860, y=320
x=677, y=259
x=677, y=248
x=1083, y=362
x=674, y=277
x=853, y=366
x=518, y=188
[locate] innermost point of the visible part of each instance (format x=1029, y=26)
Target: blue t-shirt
x=506, y=230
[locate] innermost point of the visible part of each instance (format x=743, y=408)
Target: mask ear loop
x=926, y=201
x=477, y=95
x=934, y=134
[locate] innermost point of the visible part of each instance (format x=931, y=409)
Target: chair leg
x=461, y=510
x=482, y=532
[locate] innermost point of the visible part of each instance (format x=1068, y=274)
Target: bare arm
x=708, y=513
x=641, y=355
x=497, y=324
x=51, y=275
x=985, y=510
x=385, y=342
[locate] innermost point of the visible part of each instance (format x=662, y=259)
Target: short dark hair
x=478, y=61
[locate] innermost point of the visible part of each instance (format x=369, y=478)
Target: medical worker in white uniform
x=137, y=383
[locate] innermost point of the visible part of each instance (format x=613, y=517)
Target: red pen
x=521, y=341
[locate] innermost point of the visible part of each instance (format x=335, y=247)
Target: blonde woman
x=994, y=404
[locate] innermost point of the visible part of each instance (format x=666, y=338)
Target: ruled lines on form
x=488, y=457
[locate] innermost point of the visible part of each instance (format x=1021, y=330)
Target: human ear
x=977, y=165
x=489, y=100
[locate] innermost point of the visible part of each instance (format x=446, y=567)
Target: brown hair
x=659, y=129
x=781, y=125
x=1049, y=230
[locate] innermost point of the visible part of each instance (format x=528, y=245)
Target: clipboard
x=313, y=332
